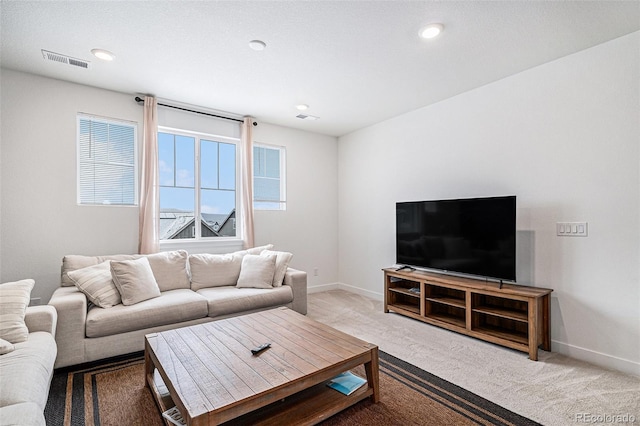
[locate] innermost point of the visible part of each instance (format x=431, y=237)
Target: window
x=107, y=158
x=198, y=175
x=268, y=178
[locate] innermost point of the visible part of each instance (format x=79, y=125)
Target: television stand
x=514, y=316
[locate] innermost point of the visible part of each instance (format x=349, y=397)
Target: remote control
x=260, y=348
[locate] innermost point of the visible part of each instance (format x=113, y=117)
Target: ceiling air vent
x=64, y=59
x=307, y=117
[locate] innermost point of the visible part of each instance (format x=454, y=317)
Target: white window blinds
x=268, y=178
x=107, y=172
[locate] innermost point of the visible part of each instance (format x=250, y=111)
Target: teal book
x=346, y=382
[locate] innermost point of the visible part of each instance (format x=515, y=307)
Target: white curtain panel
x=149, y=190
x=246, y=192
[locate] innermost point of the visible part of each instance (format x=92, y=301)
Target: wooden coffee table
x=213, y=378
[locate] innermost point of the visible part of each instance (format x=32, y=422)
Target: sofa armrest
x=298, y=282
x=41, y=318
x=71, y=305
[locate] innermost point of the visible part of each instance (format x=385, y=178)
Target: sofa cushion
x=171, y=307
x=213, y=270
x=14, y=299
x=232, y=300
x=6, y=347
x=27, y=371
x=170, y=269
x=25, y=413
x=257, y=271
x=134, y=280
x=97, y=284
x=282, y=263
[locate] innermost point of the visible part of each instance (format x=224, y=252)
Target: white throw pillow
x=214, y=270
x=134, y=280
x=259, y=249
x=282, y=263
x=72, y=262
x=6, y=347
x=257, y=271
x=97, y=284
x=170, y=269
x=14, y=299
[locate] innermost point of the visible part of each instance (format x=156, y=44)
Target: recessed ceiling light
x=302, y=107
x=257, y=44
x=431, y=31
x=105, y=55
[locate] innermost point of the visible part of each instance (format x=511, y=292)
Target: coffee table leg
x=373, y=375
x=148, y=366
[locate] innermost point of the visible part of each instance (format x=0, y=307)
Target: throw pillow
x=134, y=280
x=282, y=263
x=6, y=347
x=214, y=270
x=14, y=299
x=72, y=262
x=170, y=269
x=253, y=250
x=257, y=271
x=97, y=284
x=260, y=249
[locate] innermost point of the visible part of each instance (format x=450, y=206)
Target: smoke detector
x=64, y=59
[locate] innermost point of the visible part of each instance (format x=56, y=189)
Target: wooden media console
x=514, y=316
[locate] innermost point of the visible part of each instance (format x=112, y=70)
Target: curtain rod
x=139, y=99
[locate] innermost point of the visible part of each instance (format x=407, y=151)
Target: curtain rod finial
x=255, y=123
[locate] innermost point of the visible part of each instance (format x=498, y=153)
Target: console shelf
x=514, y=316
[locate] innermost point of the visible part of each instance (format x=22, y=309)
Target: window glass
x=190, y=189
x=268, y=178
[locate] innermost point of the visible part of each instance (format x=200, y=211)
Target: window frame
x=198, y=240
x=282, y=154
x=108, y=120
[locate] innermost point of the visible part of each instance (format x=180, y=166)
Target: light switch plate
x=571, y=229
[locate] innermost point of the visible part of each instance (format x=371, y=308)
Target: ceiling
x=355, y=63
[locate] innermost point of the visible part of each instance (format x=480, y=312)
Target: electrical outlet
x=315, y=272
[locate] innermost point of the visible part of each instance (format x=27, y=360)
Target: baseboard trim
x=341, y=286
x=595, y=357
x=323, y=287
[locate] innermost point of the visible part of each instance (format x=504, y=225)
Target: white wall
x=41, y=221
x=564, y=137
x=308, y=228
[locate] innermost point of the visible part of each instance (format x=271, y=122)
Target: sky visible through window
x=177, y=173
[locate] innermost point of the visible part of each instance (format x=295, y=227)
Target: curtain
x=148, y=241
x=246, y=193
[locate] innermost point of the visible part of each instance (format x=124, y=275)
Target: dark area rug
x=113, y=392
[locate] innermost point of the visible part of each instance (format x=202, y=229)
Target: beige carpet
x=556, y=390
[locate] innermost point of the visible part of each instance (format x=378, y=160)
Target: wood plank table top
x=213, y=378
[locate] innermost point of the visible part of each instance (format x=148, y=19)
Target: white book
x=174, y=416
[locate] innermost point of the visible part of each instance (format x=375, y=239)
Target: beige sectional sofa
x=191, y=289
x=26, y=366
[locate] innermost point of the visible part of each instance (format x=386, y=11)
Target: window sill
x=203, y=246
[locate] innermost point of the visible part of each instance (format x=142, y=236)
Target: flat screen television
x=472, y=236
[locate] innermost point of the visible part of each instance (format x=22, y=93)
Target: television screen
x=475, y=236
